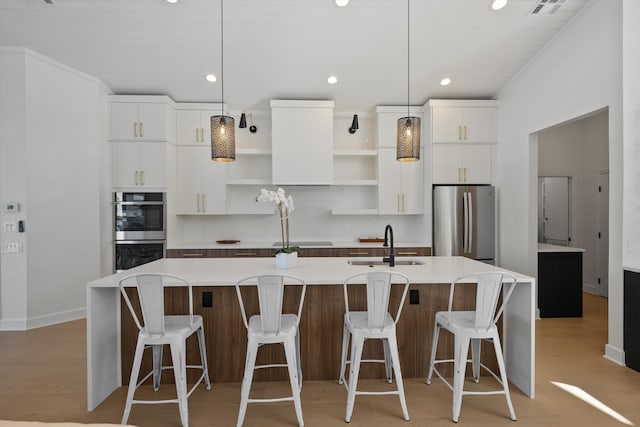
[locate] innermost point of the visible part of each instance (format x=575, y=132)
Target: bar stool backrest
x=488, y=290
x=150, y=288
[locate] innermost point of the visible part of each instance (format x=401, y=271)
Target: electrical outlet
x=207, y=299
x=414, y=296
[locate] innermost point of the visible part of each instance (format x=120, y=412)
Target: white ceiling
x=286, y=49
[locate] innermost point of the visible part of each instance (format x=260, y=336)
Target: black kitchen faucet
x=391, y=259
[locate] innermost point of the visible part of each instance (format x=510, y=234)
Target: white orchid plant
x=285, y=206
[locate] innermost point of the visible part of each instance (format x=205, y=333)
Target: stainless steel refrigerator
x=464, y=221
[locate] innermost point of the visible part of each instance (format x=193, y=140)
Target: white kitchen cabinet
x=464, y=124
x=201, y=182
x=462, y=163
x=400, y=184
x=141, y=118
x=302, y=142
x=139, y=164
x=194, y=123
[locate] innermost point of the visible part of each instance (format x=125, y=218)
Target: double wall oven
x=140, y=223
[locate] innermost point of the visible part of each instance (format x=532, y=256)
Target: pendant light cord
x=408, y=56
x=222, y=51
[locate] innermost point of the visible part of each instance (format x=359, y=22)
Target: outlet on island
x=207, y=299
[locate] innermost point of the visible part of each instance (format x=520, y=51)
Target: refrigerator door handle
x=464, y=222
x=470, y=226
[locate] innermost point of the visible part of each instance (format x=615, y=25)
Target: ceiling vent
x=546, y=7
x=39, y=3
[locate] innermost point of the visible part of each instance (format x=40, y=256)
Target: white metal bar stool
x=471, y=327
x=159, y=329
x=271, y=326
x=375, y=323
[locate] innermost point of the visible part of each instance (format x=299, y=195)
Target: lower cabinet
x=560, y=284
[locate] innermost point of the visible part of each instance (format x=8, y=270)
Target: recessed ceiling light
x=332, y=80
x=172, y=1
x=498, y=4
x=342, y=3
x=445, y=81
x=211, y=78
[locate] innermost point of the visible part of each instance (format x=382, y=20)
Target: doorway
x=577, y=152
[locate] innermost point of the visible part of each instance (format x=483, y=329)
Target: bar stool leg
x=357, y=343
x=133, y=381
x=290, y=353
x=395, y=361
x=157, y=366
x=203, y=358
x=180, y=373
x=460, y=366
x=345, y=345
x=252, y=351
x=434, y=348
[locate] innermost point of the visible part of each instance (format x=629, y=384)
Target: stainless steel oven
x=139, y=232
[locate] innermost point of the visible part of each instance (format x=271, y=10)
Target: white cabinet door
x=214, y=188
x=446, y=124
x=302, y=142
x=153, y=164
x=139, y=164
x=462, y=163
x=189, y=189
x=480, y=124
x=124, y=121
x=400, y=185
x=477, y=163
x=125, y=164
x=464, y=124
x=138, y=121
x=194, y=126
x=201, y=182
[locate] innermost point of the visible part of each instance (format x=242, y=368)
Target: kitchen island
x=321, y=324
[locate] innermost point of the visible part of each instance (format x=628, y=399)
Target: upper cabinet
x=142, y=118
x=141, y=129
x=194, y=122
x=302, y=142
x=469, y=121
x=463, y=134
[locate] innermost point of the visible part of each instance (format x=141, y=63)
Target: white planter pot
x=284, y=260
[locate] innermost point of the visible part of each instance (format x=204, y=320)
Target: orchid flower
x=285, y=206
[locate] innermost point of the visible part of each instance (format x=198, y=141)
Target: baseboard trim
x=43, y=320
x=614, y=354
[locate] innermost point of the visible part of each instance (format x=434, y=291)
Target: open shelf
x=354, y=211
x=355, y=153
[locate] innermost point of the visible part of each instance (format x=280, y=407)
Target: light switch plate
x=12, y=207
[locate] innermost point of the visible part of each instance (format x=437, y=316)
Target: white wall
x=577, y=73
x=580, y=150
x=631, y=102
x=57, y=181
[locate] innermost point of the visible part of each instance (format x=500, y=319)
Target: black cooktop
x=302, y=244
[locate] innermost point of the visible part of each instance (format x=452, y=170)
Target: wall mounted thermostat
x=12, y=207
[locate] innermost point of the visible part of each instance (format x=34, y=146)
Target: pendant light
x=223, y=130
x=408, y=131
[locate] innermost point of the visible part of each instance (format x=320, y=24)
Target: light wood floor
x=43, y=378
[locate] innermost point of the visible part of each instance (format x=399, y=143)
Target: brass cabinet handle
x=459, y=133
x=358, y=253
x=197, y=203
x=135, y=129
x=245, y=254
x=191, y=255
x=141, y=130
x=465, y=174
x=407, y=253
x=459, y=174
x=197, y=136
x=465, y=132
x=398, y=202
x=141, y=177
x=202, y=135
x=204, y=203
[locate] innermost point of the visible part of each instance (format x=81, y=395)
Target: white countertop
x=317, y=271
x=269, y=245
x=545, y=247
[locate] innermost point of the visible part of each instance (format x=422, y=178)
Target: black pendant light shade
x=354, y=124
x=408, y=141
x=223, y=138
x=243, y=121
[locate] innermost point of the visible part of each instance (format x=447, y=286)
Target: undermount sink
x=372, y=263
